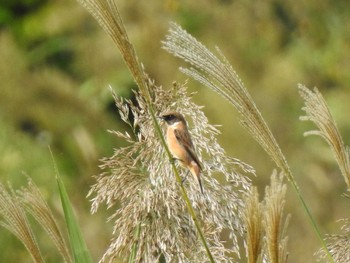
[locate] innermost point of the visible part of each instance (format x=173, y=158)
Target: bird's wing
x=185, y=141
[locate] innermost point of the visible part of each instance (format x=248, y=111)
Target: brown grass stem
x=107, y=15
x=217, y=74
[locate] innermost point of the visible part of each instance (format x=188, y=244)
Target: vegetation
x=55, y=70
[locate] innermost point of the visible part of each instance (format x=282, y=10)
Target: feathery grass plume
x=317, y=111
x=15, y=220
x=253, y=215
x=139, y=178
x=218, y=75
x=266, y=239
x=106, y=14
x=274, y=224
x=35, y=204
x=338, y=245
x=78, y=246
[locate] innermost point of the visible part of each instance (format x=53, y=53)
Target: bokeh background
x=56, y=64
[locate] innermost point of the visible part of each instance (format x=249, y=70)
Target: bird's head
x=172, y=117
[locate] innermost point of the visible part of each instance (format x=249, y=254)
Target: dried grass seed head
x=139, y=178
x=274, y=222
x=338, y=244
x=317, y=111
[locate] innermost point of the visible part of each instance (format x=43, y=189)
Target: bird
x=180, y=144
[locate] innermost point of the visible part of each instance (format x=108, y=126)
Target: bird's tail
x=196, y=171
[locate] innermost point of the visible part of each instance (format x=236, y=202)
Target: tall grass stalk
x=77, y=242
x=218, y=75
x=107, y=15
x=36, y=205
x=16, y=221
x=253, y=216
x=14, y=205
x=138, y=179
x=135, y=245
x=265, y=238
x=317, y=111
x=274, y=223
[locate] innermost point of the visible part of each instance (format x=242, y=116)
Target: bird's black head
x=172, y=117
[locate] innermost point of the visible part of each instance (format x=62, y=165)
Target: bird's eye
x=169, y=117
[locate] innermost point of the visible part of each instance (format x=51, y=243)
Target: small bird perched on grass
x=180, y=144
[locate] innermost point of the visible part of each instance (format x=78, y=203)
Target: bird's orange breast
x=177, y=150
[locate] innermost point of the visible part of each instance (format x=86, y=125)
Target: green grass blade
x=135, y=245
x=77, y=243
x=79, y=248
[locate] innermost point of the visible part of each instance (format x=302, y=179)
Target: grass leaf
x=78, y=245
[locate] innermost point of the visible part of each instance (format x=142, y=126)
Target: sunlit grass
x=274, y=46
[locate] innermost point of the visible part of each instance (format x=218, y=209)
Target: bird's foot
x=184, y=178
x=174, y=159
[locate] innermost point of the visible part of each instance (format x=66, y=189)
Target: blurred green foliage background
x=56, y=64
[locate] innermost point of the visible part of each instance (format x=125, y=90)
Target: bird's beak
x=160, y=117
